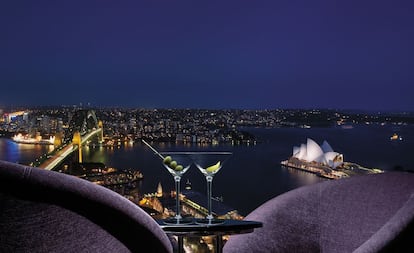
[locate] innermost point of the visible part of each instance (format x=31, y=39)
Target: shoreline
x=347, y=169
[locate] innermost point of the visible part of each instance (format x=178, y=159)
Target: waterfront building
x=195, y=203
x=312, y=152
x=324, y=161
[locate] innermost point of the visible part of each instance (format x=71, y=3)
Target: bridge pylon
x=100, y=125
x=77, y=140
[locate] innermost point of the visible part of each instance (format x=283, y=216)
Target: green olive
x=173, y=164
x=167, y=160
x=179, y=168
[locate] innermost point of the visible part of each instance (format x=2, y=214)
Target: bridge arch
x=82, y=121
x=83, y=125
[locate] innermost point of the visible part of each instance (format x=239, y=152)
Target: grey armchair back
x=47, y=211
x=361, y=214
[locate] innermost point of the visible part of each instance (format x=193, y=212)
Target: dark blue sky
x=209, y=54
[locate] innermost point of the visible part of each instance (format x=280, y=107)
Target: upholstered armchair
x=361, y=214
x=47, y=211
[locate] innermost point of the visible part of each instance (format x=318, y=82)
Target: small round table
x=227, y=227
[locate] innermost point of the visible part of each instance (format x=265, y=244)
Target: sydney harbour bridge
x=83, y=126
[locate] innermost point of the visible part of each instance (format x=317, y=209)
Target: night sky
x=208, y=54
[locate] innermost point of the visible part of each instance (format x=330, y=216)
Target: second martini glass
x=209, y=163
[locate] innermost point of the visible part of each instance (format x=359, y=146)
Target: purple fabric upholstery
x=370, y=213
x=46, y=211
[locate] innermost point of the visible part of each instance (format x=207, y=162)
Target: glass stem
x=209, y=196
x=177, y=180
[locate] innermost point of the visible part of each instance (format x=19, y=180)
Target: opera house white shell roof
x=312, y=152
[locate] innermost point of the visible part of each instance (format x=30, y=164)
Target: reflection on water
x=302, y=177
x=20, y=152
x=97, y=154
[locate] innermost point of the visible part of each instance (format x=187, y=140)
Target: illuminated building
x=159, y=190
x=312, y=152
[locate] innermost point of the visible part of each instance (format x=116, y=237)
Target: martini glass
x=177, y=163
x=209, y=163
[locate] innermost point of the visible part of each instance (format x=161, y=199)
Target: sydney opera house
x=323, y=154
x=324, y=161
x=315, y=158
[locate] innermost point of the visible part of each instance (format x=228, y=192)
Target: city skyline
x=216, y=55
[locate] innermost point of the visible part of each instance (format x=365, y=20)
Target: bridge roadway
x=56, y=159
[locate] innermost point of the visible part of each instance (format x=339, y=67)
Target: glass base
x=209, y=221
x=178, y=221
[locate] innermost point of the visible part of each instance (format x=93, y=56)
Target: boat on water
x=25, y=139
x=396, y=137
x=347, y=126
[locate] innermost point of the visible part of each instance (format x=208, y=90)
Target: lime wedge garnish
x=214, y=167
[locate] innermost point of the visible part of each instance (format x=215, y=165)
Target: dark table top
x=226, y=227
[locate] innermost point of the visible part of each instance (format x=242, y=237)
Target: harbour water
x=253, y=174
